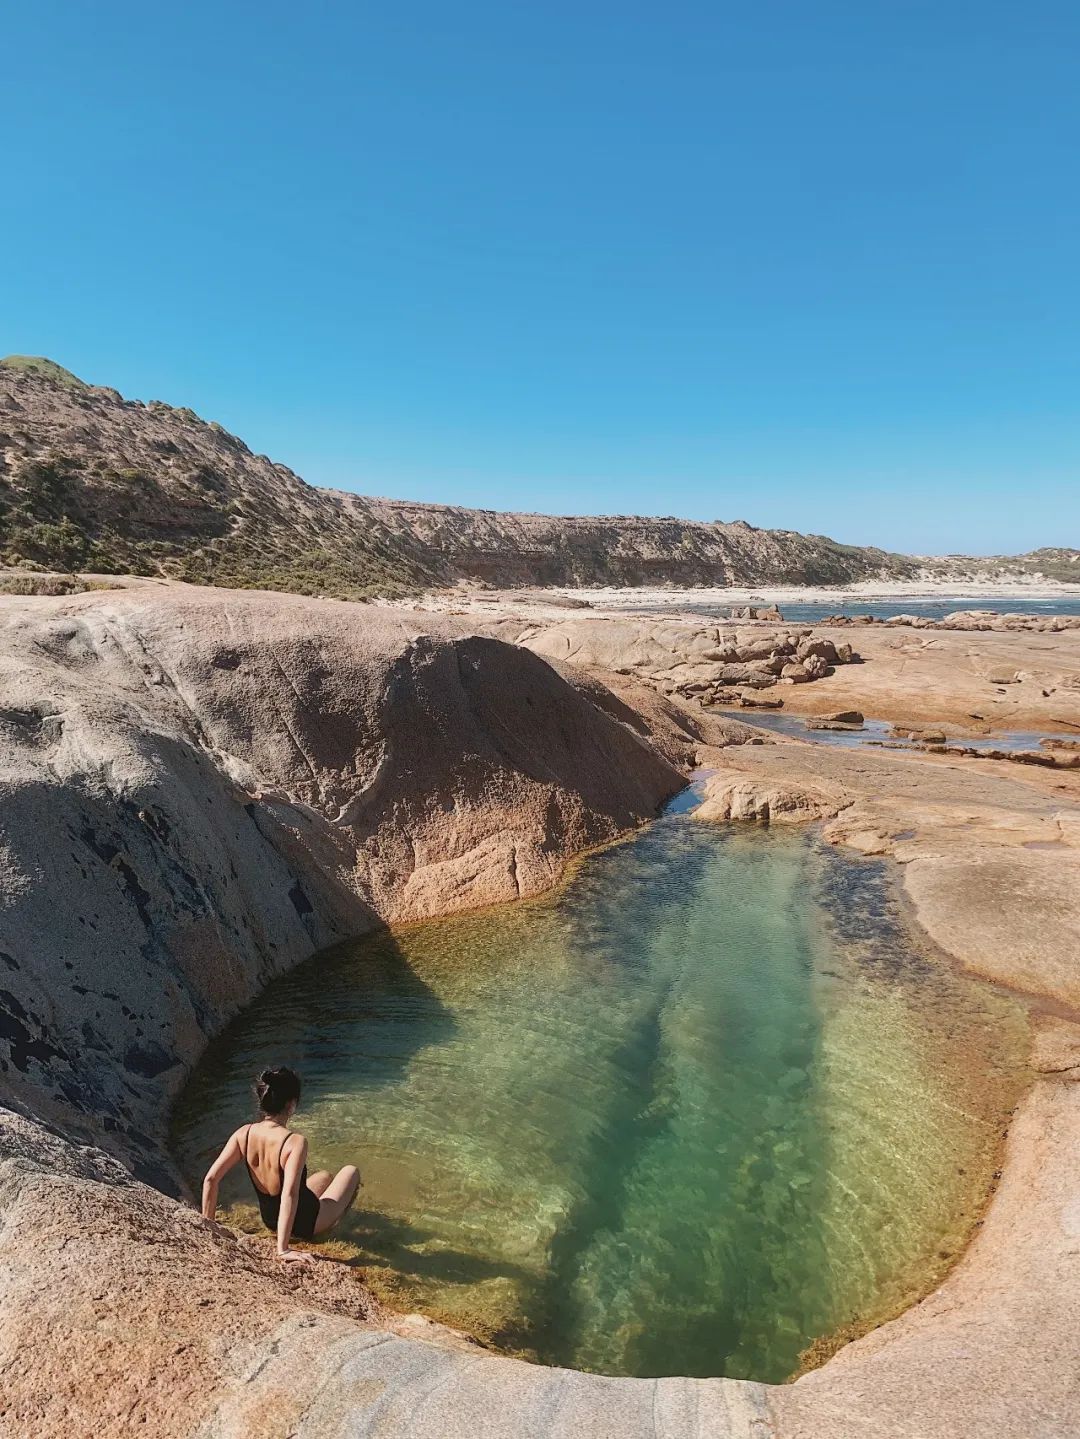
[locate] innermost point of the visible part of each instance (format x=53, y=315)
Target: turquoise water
x=705, y=1106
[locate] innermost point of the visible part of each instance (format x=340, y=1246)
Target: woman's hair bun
x=275, y=1088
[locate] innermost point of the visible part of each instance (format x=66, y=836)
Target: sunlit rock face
x=200, y=788
x=189, y=779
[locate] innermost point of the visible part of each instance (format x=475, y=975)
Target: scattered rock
x=919, y=736
x=754, y=612
x=758, y=703
x=729, y=797
x=796, y=674
x=821, y=648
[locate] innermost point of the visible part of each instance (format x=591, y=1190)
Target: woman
x=276, y=1160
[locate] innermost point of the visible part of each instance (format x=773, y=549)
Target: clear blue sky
x=812, y=264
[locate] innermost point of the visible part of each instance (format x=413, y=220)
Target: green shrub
x=40, y=585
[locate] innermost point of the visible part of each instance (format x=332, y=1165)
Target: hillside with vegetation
x=92, y=482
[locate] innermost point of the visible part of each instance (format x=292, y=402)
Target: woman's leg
x=336, y=1198
x=317, y=1182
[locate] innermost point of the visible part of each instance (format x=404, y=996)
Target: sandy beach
x=966, y=597
x=889, y=596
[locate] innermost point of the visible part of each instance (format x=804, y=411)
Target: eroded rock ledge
x=990, y=862
x=200, y=788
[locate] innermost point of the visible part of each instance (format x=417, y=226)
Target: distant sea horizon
x=811, y=611
x=808, y=604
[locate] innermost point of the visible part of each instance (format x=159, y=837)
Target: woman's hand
x=295, y=1256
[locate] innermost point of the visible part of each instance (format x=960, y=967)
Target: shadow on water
x=399, y=1245
x=373, y=986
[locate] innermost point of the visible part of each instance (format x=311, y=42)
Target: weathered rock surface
x=1007, y=915
x=756, y=612
x=917, y=680
x=990, y=862
x=199, y=789
x=689, y=657
x=729, y=798
x=966, y=620
x=947, y=677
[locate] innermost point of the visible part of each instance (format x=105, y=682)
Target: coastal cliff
x=93, y=482
x=510, y=550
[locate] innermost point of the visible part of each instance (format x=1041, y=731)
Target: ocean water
x=813, y=612
x=703, y=1107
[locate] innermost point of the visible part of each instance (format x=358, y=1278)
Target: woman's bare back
x=266, y=1145
x=263, y=1144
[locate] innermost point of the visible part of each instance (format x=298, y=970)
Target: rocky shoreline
x=219, y=784
x=965, y=594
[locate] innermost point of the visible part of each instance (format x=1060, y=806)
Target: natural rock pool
x=708, y=1104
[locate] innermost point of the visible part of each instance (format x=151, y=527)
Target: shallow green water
x=704, y=1107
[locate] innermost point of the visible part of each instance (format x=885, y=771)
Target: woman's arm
x=229, y=1157
x=295, y=1160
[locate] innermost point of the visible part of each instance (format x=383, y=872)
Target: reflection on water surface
x=701, y=1108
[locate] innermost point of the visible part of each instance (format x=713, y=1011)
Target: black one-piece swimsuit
x=307, y=1201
